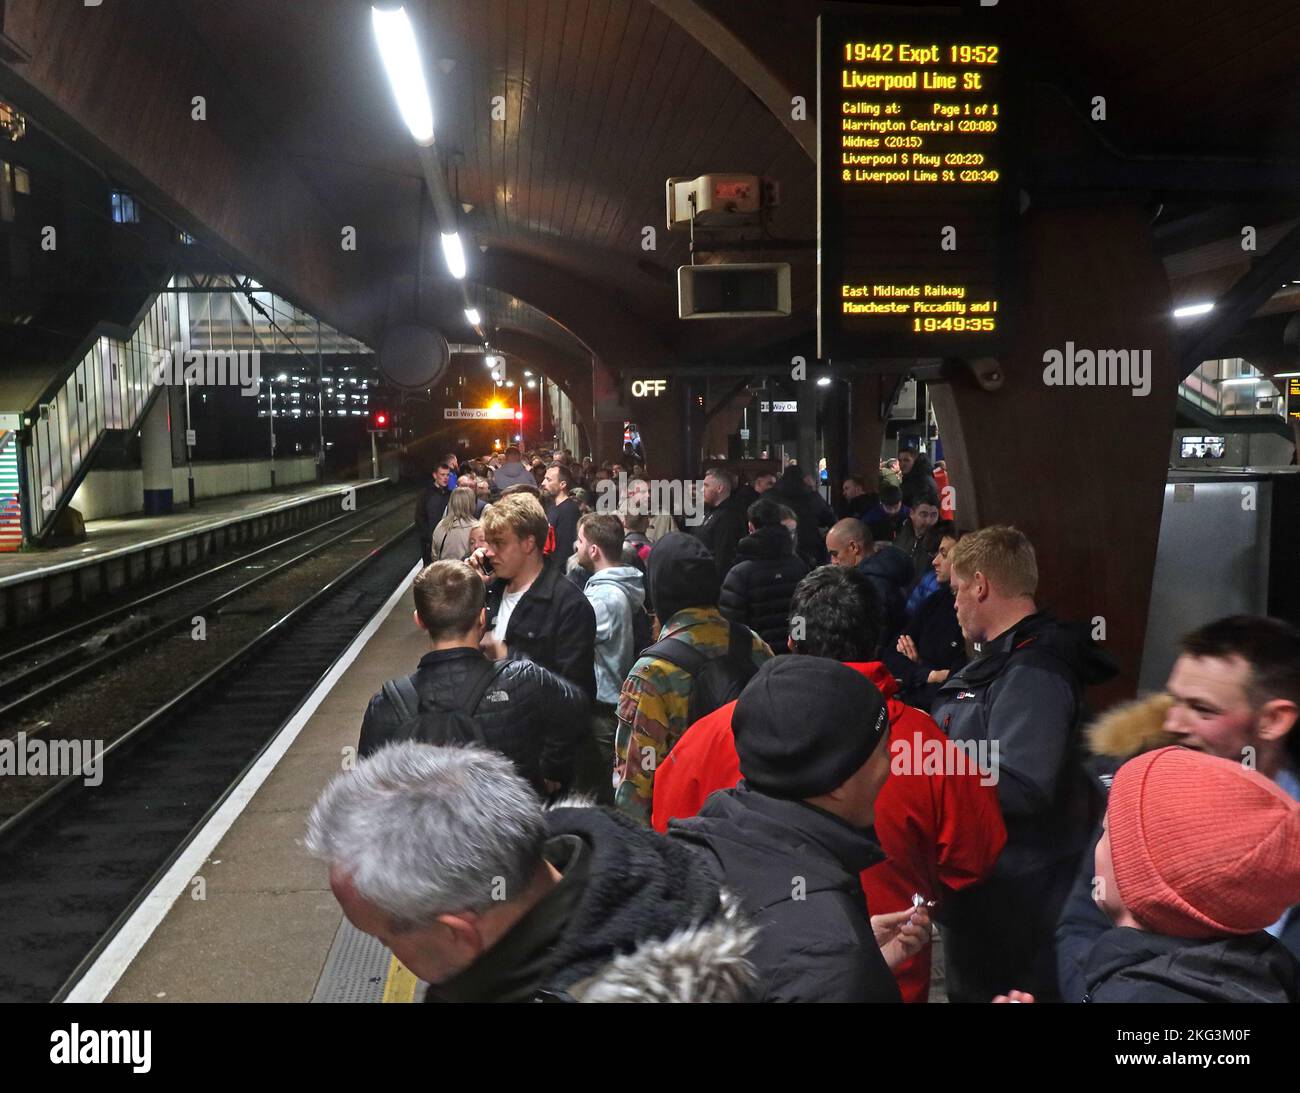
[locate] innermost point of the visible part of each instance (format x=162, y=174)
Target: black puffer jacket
x=890, y=572
x=757, y=590
x=815, y=942
x=1129, y=965
x=528, y=714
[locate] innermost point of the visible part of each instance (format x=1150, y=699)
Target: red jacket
x=946, y=510
x=936, y=831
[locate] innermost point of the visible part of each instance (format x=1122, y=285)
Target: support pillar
x=1079, y=469
x=866, y=430
x=156, y=456
x=808, y=447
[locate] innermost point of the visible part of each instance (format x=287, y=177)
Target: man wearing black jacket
x=533, y=612
x=1019, y=701
x=757, y=589
x=528, y=714
x=814, y=515
x=793, y=837
x=724, y=518
x=430, y=507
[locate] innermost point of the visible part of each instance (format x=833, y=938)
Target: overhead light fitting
x=401, y=56
x=471, y=313
x=1192, y=309
x=454, y=252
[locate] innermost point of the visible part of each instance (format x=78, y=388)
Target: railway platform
x=244, y=914
x=122, y=552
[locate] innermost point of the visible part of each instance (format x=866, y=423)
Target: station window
x=186, y=238
x=125, y=210
x=22, y=181
x=12, y=124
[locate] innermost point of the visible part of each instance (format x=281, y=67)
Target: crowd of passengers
x=764, y=751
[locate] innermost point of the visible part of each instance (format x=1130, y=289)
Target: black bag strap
x=403, y=696
x=484, y=676
x=678, y=653
x=739, y=643
x=690, y=660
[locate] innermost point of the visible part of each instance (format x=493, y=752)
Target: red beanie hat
x=1202, y=847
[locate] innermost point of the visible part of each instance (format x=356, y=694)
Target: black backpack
x=715, y=681
x=434, y=723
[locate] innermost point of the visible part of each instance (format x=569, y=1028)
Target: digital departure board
x=916, y=199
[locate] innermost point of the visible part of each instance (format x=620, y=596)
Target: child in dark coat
x=1198, y=858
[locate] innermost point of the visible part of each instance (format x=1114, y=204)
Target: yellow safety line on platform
x=400, y=984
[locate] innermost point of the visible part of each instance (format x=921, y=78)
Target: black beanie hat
x=681, y=572
x=803, y=725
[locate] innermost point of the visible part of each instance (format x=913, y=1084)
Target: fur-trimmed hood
x=705, y=962
x=1131, y=729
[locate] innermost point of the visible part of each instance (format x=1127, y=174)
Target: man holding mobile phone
x=533, y=612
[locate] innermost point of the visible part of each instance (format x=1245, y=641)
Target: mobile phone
x=486, y=563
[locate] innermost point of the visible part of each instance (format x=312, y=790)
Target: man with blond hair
x=1022, y=693
x=533, y=612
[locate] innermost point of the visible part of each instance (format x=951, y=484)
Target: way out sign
x=491, y=413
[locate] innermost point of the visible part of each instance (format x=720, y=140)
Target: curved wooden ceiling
x=603, y=100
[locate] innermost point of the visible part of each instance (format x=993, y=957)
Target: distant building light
x=125, y=210
x=13, y=125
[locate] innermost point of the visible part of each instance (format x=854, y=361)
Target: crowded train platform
x=649, y=501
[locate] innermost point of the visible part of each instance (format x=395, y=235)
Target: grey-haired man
x=448, y=857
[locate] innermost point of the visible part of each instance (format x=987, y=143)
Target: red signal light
x=519, y=415
x=381, y=419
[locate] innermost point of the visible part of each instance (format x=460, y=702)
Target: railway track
x=76, y=861
x=48, y=667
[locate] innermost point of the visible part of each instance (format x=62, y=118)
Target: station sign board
x=1293, y=399
x=916, y=194
x=490, y=413
x=648, y=387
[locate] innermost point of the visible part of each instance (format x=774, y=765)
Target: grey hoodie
x=512, y=475
x=614, y=594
